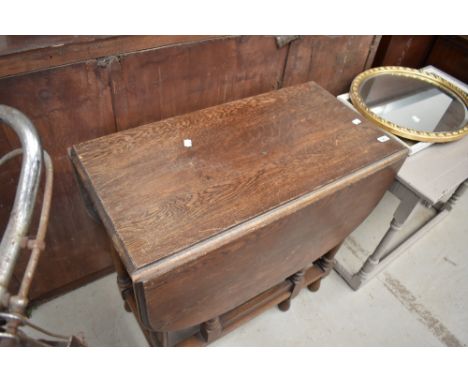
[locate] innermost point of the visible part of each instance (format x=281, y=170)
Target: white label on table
x=187, y=143
x=356, y=121
x=383, y=138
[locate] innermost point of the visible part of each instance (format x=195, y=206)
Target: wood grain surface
x=331, y=61
x=205, y=284
x=410, y=51
x=23, y=54
x=450, y=54
x=67, y=105
x=269, y=184
x=124, y=81
x=447, y=53
x=248, y=156
x=161, y=83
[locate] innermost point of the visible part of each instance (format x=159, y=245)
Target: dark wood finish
x=23, y=43
x=71, y=104
x=297, y=280
x=229, y=172
x=121, y=82
x=450, y=54
x=22, y=54
x=260, y=195
x=326, y=263
x=315, y=286
x=211, y=329
x=197, y=336
x=222, y=278
x=409, y=51
x=157, y=84
x=67, y=105
x=331, y=61
x=252, y=308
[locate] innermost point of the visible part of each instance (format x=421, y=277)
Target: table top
x=165, y=186
x=434, y=173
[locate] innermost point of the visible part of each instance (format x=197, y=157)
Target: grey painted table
x=431, y=177
x=436, y=176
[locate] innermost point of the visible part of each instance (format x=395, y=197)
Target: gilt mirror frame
x=401, y=131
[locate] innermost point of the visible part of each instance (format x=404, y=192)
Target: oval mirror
x=411, y=103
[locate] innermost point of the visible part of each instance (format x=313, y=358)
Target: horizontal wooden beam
x=22, y=55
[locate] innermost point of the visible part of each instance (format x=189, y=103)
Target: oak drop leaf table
x=222, y=213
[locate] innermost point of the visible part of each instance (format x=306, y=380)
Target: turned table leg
x=409, y=201
x=297, y=280
x=123, y=279
x=315, y=286
x=326, y=263
x=211, y=329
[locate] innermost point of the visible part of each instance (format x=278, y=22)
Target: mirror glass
x=413, y=103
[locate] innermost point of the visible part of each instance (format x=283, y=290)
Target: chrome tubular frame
x=13, y=307
x=25, y=198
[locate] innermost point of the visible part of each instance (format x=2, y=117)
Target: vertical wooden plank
x=160, y=83
x=67, y=105
x=372, y=52
x=410, y=51
x=450, y=54
x=331, y=61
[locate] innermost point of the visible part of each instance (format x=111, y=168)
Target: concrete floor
x=421, y=299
